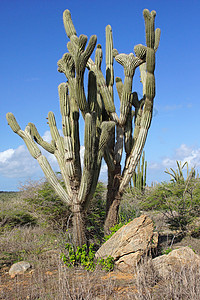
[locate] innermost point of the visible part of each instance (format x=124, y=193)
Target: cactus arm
x=81, y=57
x=65, y=108
x=138, y=118
x=98, y=57
x=39, y=140
x=128, y=133
x=94, y=98
x=53, y=128
x=68, y=24
x=89, y=157
x=157, y=38
x=107, y=99
x=109, y=60
x=51, y=177
x=130, y=63
x=71, y=145
x=143, y=76
x=66, y=65
x=36, y=153
x=148, y=105
x=119, y=86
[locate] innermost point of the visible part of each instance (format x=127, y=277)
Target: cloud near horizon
x=18, y=163
x=184, y=154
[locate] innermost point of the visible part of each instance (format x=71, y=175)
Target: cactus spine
x=106, y=134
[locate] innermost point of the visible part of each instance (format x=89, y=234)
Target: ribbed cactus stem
x=53, y=127
x=36, y=136
x=119, y=86
x=50, y=175
x=149, y=18
x=139, y=176
x=130, y=63
x=98, y=56
x=68, y=24
x=65, y=109
x=109, y=60
x=12, y=122
x=157, y=38
x=103, y=89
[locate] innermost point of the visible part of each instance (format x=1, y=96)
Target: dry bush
x=183, y=285
x=27, y=243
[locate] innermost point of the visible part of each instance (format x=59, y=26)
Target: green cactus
x=105, y=133
x=140, y=175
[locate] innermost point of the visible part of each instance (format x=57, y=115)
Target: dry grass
x=52, y=280
x=183, y=285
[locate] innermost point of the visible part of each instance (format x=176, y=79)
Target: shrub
x=85, y=257
x=10, y=219
x=178, y=200
x=48, y=205
x=96, y=215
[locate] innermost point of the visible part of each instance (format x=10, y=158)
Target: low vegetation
x=36, y=227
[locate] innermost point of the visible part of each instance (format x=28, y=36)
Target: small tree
x=98, y=111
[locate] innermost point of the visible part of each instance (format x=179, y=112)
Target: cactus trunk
x=78, y=221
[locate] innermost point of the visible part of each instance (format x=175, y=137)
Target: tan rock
x=175, y=261
x=129, y=243
x=19, y=268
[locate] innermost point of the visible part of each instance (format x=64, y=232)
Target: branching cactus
x=135, y=116
x=105, y=133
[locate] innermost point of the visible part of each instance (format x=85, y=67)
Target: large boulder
x=130, y=243
x=19, y=268
x=175, y=261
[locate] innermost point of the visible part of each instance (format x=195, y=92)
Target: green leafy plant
x=166, y=251
x=85, y=257
x=107, y=263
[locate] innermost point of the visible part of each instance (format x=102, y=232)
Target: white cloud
x=184, y=154
x=154, y=165
x=5, y=155
x=17, y=163
x=47, y=136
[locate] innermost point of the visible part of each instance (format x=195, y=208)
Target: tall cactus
x=99, y=113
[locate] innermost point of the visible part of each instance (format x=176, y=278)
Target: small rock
x=19, y=268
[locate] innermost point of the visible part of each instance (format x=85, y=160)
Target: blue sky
x=33, y=39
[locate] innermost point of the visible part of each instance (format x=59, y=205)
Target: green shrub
x=178, y=200
x=11, y=218
x=85, y=257
x=47, y=204
x=95, y=216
